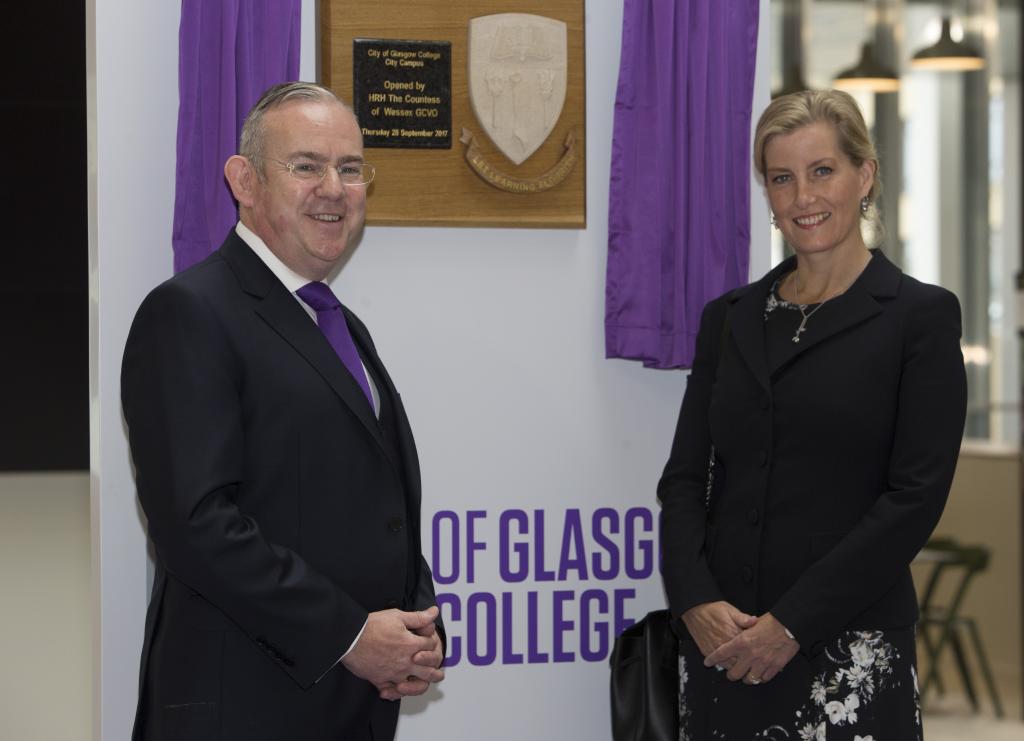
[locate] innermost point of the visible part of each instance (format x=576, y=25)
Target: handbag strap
x=710, y=480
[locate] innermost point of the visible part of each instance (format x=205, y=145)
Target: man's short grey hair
x=252, y=140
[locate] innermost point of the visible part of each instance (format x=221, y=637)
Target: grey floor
x=957, y=727
x=950, y=719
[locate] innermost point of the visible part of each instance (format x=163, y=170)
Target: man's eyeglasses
x=350, y=173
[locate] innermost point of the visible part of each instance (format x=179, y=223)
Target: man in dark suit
x=275, y=465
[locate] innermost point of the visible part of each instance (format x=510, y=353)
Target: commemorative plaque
x=517, y=76
x=402, y=92
x=471, y=117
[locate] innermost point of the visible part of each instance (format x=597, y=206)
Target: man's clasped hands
x=398, y=652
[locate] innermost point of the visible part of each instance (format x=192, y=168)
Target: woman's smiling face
x=815, y=190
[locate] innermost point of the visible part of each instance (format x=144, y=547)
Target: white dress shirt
x=293, y=282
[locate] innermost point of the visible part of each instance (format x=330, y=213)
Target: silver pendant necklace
x=805, y=315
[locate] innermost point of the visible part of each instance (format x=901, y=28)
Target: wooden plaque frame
x=437, y=187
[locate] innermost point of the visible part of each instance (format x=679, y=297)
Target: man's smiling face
x=308, y=224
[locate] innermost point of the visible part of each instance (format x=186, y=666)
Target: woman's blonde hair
x=788, y=113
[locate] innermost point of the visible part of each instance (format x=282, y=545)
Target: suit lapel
x=286, y=317
x=279, y=309
x=385, y=388
x=859, y=303
x=840, y=314
x=880, y=280
x=746, y=322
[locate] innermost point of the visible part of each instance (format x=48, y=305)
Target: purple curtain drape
x=679, y=207
x=230, y=51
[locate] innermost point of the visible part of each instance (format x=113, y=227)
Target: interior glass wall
x=950, y=145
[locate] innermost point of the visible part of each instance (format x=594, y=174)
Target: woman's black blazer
x=832, y=468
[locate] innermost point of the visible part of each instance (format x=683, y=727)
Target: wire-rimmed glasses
x=350, y=173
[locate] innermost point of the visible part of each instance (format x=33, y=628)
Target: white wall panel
x=494, y=337
x=132, y=91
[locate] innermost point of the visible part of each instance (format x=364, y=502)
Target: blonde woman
x=831, y=394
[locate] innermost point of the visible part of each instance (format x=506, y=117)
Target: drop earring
x=865, y=204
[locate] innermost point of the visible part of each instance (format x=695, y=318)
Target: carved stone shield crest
x=517, y=79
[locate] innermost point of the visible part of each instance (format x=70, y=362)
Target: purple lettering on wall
x=534, y=656
x=573, y=556
x=533, y=622
x=451, y=617
x=597, y=567
x=438, y=531
x=539, y=572
x=518, y=520
x=588, y=625
x=508, y=655
x=472, y=544
x=476, y=636
x=560, y=626
x=473, y=652
x=621, y=621
x=639, y=546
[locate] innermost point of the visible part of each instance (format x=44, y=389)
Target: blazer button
x=764, y=457
x=392, y=604
x=753, y=516
x=765, y=402
x=748, y=574
x=395, y=524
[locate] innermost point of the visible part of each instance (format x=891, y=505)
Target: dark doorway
x=44, y=327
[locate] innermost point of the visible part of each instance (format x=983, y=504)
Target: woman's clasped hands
x=747, y=647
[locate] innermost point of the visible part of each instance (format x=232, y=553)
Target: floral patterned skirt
x=862, y=687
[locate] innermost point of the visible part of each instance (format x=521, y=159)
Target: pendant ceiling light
x=946, y=55
x=867, y=75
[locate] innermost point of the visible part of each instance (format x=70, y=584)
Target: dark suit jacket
x=281, y=509
x=832, y=468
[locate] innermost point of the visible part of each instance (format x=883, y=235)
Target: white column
x=132, y=90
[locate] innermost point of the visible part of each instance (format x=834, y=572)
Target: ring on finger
x=753, y=680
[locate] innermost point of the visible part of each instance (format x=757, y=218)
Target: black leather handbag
x=645, y=658
x=645, y=681
x=645, y=669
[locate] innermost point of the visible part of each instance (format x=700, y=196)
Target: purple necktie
x=332, y=323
